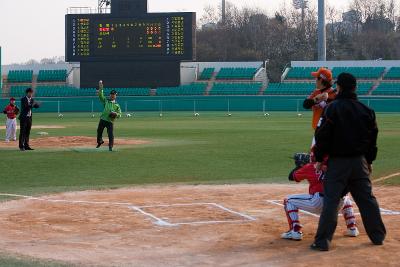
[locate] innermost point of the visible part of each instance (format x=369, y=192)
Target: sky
x=35, y=29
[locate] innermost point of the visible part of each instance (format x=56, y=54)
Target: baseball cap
x=29, y=90
x=324, y=74
x=346, y=81
x=12, y=99
x=113, y=92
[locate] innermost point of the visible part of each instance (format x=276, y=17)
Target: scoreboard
x=150, y=37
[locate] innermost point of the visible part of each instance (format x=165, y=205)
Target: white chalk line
x=386, y=177
x=383, y=211
x=246, y=218
x=156, y=220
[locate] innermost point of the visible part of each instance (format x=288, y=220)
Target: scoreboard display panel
x=156, y=36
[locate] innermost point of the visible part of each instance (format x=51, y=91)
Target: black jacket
x=347, y=128
x=26, y=107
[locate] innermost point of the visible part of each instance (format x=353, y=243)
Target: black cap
x=347, y=82
x=113, y=92
x=29, y=90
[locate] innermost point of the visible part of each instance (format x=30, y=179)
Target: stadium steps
x=378, y=82
x=211, y=83
x=34, y=82
x=153, y=92
x=6, y=91
x=262, y=89
x=373, y=89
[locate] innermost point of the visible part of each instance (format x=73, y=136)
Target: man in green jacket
x=111, y=112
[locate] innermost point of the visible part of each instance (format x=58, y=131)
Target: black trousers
x=349, y=174
x=25, y=131
x=110, y=131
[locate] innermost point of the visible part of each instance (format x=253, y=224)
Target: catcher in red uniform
x=313, y=201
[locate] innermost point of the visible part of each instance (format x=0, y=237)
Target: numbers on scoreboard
x=154, y=37
x=81, y=37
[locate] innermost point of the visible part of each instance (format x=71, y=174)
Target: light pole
x=303, y=5
x=321, y=31
x=223, y=6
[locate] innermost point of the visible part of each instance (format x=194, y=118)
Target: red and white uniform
x=11, y=123
x=313, y=201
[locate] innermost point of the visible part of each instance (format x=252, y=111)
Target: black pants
x=25, y=131
x=110, y=131
x=349, y=174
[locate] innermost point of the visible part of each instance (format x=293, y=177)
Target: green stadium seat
x=290, y=89
x=207, y=74
x=56, y=91
x=192, y=89
x=393, y=74
x=17, y=91
x=369, y=73
x=20, y=76
x=388, y=89
x=364, y=88
x=52, y=75
x=236, y=89
x=301, y=73
x=236, y=73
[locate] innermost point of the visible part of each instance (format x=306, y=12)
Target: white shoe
x=352, y=232
x=7, y=141
x=292, y=235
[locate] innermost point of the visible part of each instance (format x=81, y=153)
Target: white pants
x=314, y=204
x=11, y=129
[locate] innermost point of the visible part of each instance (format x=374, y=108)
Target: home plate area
x=191, y=214
x=182, y=225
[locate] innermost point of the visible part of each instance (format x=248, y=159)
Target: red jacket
x=10, y=111
x=314, y=178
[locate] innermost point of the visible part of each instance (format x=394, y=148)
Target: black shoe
x=22, y=149
x=29, y=148
x=318, y=248
x=378, y=243
x=110, y=149
x=99, y=144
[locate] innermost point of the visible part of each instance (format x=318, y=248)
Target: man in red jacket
x=11, y=111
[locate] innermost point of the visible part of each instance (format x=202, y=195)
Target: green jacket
x=109, y=106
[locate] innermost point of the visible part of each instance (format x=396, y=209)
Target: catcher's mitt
x=36, y=105
x=113, y=115
x=16, y=111
x=301, y=159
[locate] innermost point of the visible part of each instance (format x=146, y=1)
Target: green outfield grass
x=212, y=148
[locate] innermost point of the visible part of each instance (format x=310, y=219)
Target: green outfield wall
x=199, y=103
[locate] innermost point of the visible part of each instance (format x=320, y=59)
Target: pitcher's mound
x=71, y=142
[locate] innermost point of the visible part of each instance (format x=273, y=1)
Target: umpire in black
x=25, y=117
x=347, y=133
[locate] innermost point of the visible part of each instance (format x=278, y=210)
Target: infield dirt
x=104, y=228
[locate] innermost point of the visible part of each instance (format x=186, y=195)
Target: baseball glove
x=301, y=159
x=113, y=115
x=16, y=111
x=36, y=105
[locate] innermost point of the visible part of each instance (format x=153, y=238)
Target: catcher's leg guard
x=292, y=216
x=348, y=213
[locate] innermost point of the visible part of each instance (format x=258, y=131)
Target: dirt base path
x=71, y=142
x=184, y=226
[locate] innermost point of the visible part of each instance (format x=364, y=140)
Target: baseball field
x=179, y=190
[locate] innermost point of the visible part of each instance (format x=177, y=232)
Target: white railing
x=88, y=10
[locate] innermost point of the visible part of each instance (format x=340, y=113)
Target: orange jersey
x=318, y=109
